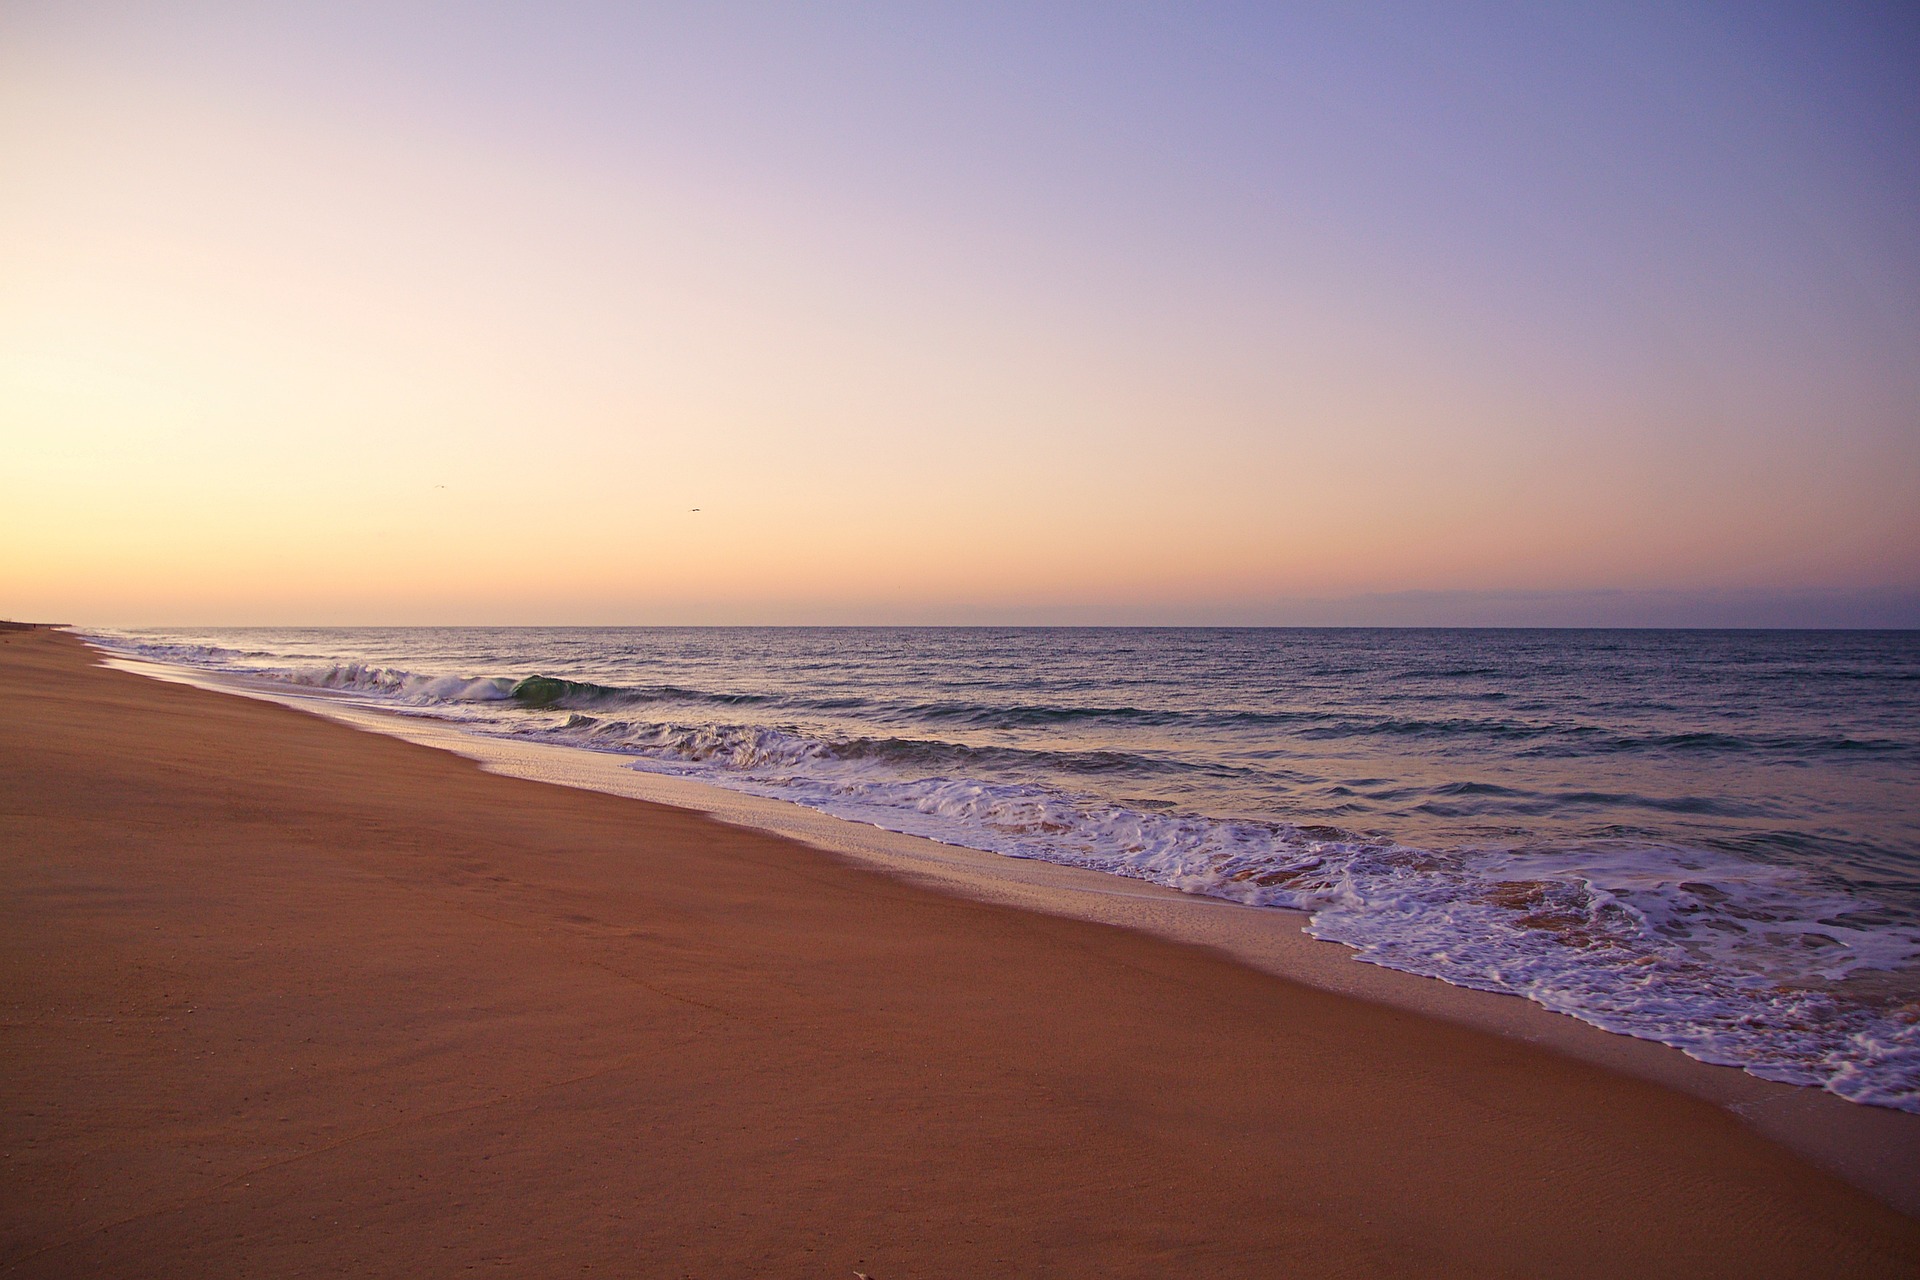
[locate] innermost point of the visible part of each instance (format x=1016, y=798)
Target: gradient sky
x=1181, y=313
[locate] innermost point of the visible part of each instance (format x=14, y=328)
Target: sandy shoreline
x=285, y=997
x=1874, y=1148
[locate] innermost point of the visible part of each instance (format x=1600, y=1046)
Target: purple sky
x=1462, y=313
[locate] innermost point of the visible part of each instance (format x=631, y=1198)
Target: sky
x=1462, y=314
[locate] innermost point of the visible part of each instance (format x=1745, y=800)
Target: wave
x=533, y=693
x=754, y=746
x=544, y=692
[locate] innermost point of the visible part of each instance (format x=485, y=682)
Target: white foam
x=1731, y=961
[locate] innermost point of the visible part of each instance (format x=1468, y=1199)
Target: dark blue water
x=1707, y=838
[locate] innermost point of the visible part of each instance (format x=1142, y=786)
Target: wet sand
x=283, y=997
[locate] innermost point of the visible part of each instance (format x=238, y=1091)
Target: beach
x=285, y=997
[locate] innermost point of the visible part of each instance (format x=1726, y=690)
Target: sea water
x=1710, y=839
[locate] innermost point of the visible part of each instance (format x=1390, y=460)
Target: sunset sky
x=1250, y=313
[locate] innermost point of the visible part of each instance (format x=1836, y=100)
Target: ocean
x=1709, y=839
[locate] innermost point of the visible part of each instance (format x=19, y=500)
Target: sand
x=1874, y=1148
x=283, y=997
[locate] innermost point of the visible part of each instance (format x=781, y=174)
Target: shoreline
x=286, y=995
x=1875, y=1148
